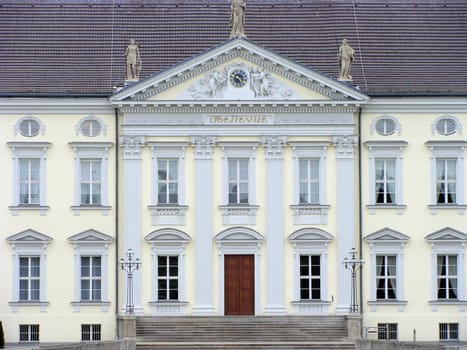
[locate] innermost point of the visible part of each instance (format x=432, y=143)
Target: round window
x=385, y=126
x=446, y=126
x=29, y=127
x=90, y=128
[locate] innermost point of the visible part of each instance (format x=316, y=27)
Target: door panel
x=239, y=284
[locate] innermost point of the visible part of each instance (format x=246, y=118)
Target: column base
x=275, y=310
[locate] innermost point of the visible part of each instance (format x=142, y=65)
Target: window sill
x=448, y=302
x=42, y=209
x=78, y=304
x=168, y=214
x=306, y=214
x=78, y=208
x=168, y=307
x=15, y=305
x=238, y=214
x=435, y=207
x=311, y=306
x=398, y=207
x=400, y=303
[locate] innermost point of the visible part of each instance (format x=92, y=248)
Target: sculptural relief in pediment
x=239, y=81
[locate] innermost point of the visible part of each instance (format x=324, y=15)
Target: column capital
x=203, y=146
x=273, y=146
x=345, y=146
x=132, y=146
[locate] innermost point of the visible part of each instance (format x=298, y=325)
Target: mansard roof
x=76, y=47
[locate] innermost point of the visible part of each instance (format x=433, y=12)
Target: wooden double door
x=239, y=284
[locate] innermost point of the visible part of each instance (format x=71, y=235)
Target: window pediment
x=446, y=234
x=90, y=236
x=167, y=235
x=310, y=235
x=386, y=235
x=237, y=234
x=29, y=236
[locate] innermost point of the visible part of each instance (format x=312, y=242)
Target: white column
x=132, y=234
x=345, y=208
x=275, y=279
x=203, y=208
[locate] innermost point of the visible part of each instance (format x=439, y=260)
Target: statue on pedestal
x=346, y=56
x=133, y=61
x=237, y=18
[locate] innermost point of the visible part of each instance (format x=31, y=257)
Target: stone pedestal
x=127, y=327
x=354, y=326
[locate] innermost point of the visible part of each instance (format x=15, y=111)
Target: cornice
x=55, y=105
x=416, y=105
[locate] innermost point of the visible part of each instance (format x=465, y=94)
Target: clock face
x=238, y=78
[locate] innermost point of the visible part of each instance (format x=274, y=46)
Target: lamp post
x=353, y=264
x=129, y=265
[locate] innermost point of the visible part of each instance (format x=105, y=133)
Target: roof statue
x=237, y=18
x=133, y=61
x=346, y=56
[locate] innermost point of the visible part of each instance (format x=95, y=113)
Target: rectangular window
x=385, y=181
x=310, y=277
x=29, y=332
x=91, y=182
x=387, y=331
x=90, y=332
x=167, y=278
x=238, y=181
x=446, y=182
x=167, y=185
x=29, y=278
x=386, y=277
x=29, y=181
x=447, y=276
x=449, y=331
x=309, y=181
x=91, y=278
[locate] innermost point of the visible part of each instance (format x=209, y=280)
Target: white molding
x=16, y=128
x=91, y=117
x=458, y=124
x=397, y=125
x=239, y=241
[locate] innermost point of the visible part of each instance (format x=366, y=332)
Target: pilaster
x=203, y=208
x=275, y=283
x=345, y=208
x=132, y=209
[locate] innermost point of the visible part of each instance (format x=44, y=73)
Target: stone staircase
x=243, y=332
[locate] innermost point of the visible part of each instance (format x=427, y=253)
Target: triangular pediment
x=447, y=234
x=310, y=235
x=90, y=236
x=386, y=235
x=241, y=71
x=29, y=236
x=167, y=235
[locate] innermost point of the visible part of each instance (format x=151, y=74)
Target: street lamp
x=129, y=266
x=353, y=264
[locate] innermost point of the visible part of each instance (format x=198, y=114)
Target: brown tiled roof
x=76, y=47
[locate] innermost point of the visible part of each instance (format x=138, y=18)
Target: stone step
x=247, y=345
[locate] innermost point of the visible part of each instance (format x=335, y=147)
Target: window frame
x=441, y=150
x=91, y=278
x=168, y=277
x=31, y=329
x=94, y=331
x=17, y=128
x=90, y=243
x=385, y=150
x=397, y=125
x=29, y=243
x=79, y=131
x=386, y=333
x=457, y=125
x=84, y=152
x=29, y=278
x=448, y=331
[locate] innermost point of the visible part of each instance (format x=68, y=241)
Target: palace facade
x=241, y=172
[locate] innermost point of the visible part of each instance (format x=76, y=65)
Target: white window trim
x=29, y=243
x=387, y=242
x=386, y=150
x=168, y=214
x=91, y=117
x=239, y=241
x=397, y=125
x=97, y=151
x=444, y=150
x=90, y=243
x=31, y=150
x=456, y=121
x=448, y=241
x=168, y=242
x=310, y=241
x=239, y=214
x=17, y=131
x=309, y=213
